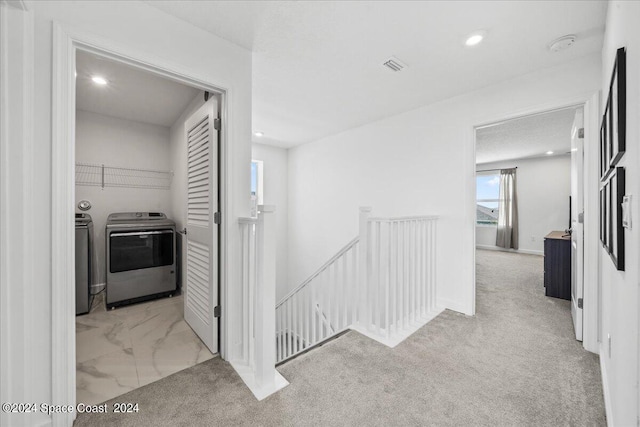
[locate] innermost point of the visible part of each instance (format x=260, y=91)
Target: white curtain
x=507, y=235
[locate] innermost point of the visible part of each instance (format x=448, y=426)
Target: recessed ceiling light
x=99, y=80
x=474, y=38
x=549, y=152
x=258, y=134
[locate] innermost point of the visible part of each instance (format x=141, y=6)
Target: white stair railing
x=398, y=292
x=382, y=284
x=256, y=364
x=321, y=307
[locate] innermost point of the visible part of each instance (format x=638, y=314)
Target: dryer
x=141, y=257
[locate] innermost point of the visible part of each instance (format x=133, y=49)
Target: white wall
x=419, y=162
x=275, y=187
x=544, y=187
x=620, y=295
x=119, y=143
x=157, y=38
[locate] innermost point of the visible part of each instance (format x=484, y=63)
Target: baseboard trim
x=248, y=376
x=454, y=306
x=605, y=389
x=394, y=339
x=517, y=251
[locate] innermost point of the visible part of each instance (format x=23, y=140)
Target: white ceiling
x=317, y=65
x=526, y=137
x=131, y=93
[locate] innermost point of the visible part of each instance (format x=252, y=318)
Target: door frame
x=66, y=40
x=591, y=104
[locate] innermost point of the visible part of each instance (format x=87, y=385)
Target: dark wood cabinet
x=557, y=265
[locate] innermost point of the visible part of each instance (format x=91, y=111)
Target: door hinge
x=216, y=124
x=581, y=133
x=579, y=302
x=216, y=311
x=581, y=218
x=216, y=218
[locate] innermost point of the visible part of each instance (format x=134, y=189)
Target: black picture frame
x=616, y=185
x=603, y=217
x=607, y=215
x=604, y=143
x=617, y=107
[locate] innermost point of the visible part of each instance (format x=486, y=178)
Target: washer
x=141, y=257
x=84, y=241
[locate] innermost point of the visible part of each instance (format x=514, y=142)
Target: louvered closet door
x=201, y=290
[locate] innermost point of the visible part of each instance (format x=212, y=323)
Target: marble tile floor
x=120, y=350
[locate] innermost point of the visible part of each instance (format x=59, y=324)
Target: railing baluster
x=289, y=342
x=414, y=263
x=251, y=298
x=399, y=274
x=307, y=315
x=294, y=324
x=386, y=288
x=425, y=266
x=417, y=268
x=407, y=281
x=281, y=332
x=387, y=279
x=301, y=309
x=314, y=302
x=354, y=284
x=321, y=306
x=421, y=267
x=368, y=289
x=329, y=293
x=278, y=355
x=396, y=276
x=336, y=296
x=378, y=302
x=414, y=270
x=344, y=289
x=298, y=320
x=433, y=264
x=430, y=301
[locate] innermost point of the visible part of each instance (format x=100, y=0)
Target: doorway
x=528, y=178
x=149, y=178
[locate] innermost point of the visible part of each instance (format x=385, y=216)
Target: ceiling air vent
x=394, y=64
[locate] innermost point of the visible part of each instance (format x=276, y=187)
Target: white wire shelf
x=109, y=176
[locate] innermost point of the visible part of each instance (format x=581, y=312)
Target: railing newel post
x=265, y=297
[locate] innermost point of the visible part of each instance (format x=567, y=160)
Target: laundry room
x=145, y=161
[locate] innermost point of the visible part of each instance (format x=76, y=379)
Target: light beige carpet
x=515, y=363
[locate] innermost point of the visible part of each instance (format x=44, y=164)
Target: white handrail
x=404, y=218
x=381, y=283
x=321, y=307
x=320, y=270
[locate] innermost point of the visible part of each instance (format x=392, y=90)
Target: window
x=487, y=198
x=256, y=186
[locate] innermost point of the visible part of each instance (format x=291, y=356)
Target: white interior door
x=577, y=221
x=201, y=289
